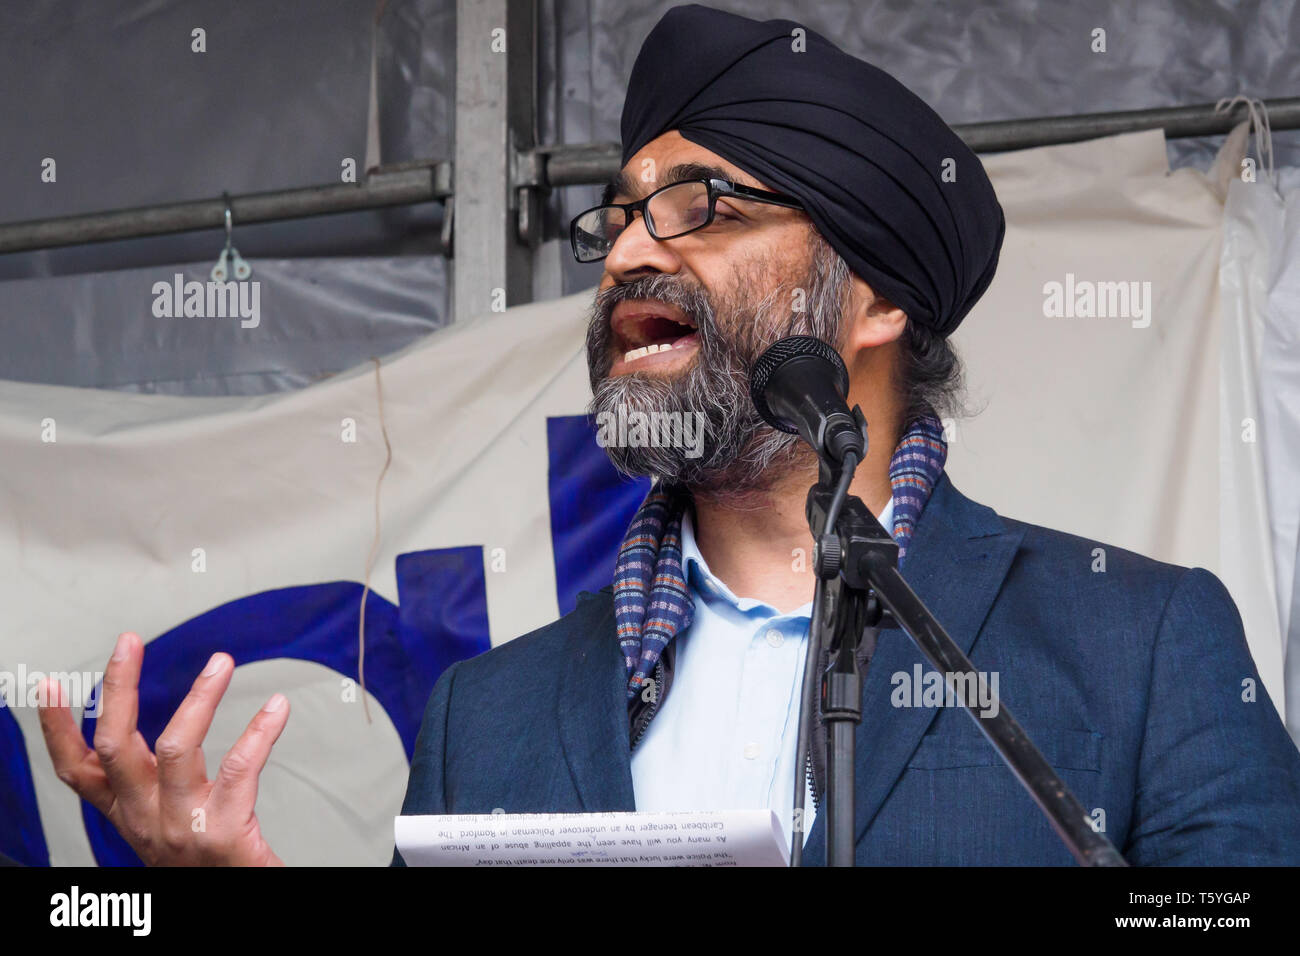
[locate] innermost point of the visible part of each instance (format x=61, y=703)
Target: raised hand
x=163, y=803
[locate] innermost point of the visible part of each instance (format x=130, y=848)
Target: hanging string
x=374, y=545
x=1259, y=122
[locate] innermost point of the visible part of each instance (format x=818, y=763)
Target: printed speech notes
x=715, y=838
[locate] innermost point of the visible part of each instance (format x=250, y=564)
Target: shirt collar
x=708, y=587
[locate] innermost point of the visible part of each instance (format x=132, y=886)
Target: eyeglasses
x=669, y=212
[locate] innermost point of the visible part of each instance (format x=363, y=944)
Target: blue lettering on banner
x=441, y=617
x=591, y=507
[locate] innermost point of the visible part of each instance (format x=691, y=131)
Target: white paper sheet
x=715, y=838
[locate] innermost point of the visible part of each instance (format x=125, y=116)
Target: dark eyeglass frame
x=716, y=188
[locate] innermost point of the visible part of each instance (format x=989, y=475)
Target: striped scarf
x=652, y=602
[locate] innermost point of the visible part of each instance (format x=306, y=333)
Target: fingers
x=74, y=762
x=182, y=771
x=122, y=752
x=235, y=788
x=152, y=799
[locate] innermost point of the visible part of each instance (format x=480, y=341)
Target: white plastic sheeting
x=1256, y=513
x=1262, y=252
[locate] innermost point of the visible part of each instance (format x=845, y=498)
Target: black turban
x=864, y=154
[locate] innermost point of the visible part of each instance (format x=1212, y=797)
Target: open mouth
x=643, y=329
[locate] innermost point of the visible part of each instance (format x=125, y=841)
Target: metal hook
x=230, y=255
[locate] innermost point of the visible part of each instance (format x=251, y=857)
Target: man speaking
x=772, y=185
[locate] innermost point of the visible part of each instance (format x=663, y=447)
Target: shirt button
x=775, y=638
x=751, y=750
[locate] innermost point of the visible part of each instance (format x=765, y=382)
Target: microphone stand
x=859, y=586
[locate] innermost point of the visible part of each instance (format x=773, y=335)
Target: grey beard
x=741, y=457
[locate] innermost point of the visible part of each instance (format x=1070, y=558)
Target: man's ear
x=872, y=319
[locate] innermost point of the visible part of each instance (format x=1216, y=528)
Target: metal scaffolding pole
x=402, y=184
x=495, y=114
x=496, y=222
x=596, y=163
x=1178, y=122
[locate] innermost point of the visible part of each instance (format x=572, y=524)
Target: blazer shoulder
x=1041, y=549
x=1058, y=562
x=1117, y=590
x=1041, y=545
x=531, y=656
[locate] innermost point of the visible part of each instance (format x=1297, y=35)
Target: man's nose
x=635, y=250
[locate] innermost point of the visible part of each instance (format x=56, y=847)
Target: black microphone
x=799, y=385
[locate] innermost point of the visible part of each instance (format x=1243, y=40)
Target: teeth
x=643, y=351
x=652, y=349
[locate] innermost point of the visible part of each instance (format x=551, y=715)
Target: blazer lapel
x=591, y=709
x=957, y=560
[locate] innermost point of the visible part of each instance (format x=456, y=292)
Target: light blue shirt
x=725, y=736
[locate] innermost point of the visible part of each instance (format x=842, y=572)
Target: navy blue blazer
x=1135, y=682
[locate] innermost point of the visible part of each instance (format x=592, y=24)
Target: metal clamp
x=527, y=172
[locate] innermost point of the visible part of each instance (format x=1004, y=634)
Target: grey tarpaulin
x=133, y=116
x=314, y=317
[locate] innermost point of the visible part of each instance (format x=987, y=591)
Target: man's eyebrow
x=624, y=185
x=683, y=171
x=619, y=185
